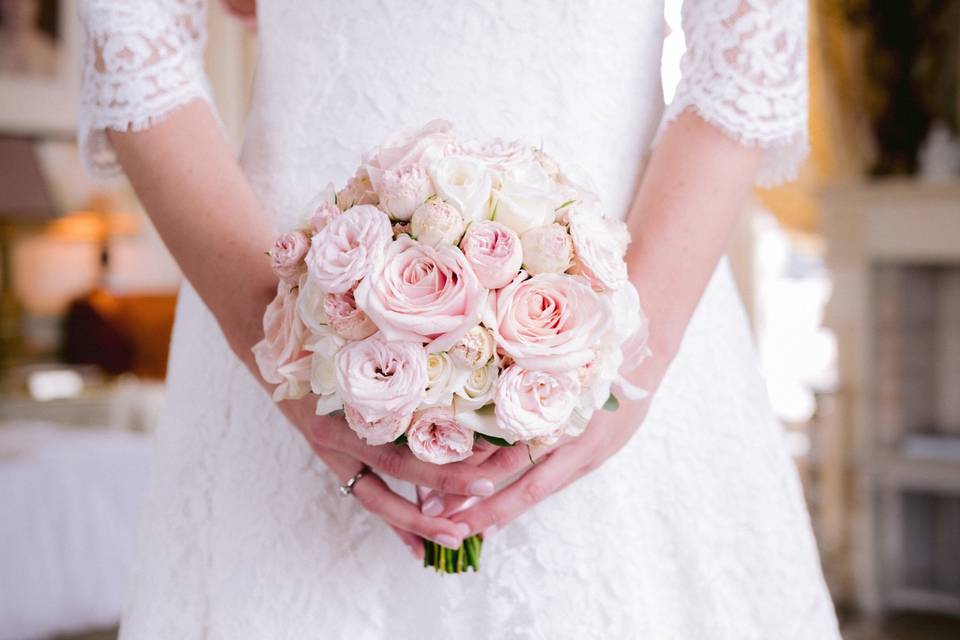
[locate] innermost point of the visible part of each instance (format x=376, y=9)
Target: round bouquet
x=454, y=290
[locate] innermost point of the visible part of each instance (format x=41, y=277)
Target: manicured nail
x=489, y=532
x=447, y=541
x=464, y=529
x=481, y=487
x=432, y=507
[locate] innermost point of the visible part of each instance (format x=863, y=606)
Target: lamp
x=24, y=200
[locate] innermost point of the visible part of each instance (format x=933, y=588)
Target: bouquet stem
x=444, y=560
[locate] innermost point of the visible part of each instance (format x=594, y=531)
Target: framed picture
x=39, y=67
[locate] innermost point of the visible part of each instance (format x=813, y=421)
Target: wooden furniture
x=894, y=252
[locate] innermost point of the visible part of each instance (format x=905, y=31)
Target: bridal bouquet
x=454, y=290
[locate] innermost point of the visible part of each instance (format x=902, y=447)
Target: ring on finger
x=347, y=487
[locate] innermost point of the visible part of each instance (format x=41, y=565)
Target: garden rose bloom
x=408, y=149
x=436, y=223
x=286, y=255
x=443, y=378
x=550, y=321
x=477, y=388
x=422, y=294
x=358, y=191
x=342, y=314
x=346, y=249
x=535, y=404
x=322, y=216
x=295, y=379
x=474, y=349
x=494, y=253
x=379, y=377
x=283, y=335
x=546, y=249
x=526, y=197
x=465, y=183
x=382, y=431
x=435, y=436
x=403, y=190
x=599, y=247
x=499, y=153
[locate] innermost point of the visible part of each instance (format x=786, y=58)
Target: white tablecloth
x=70, y=503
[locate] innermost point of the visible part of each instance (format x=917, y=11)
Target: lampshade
x=24, y=196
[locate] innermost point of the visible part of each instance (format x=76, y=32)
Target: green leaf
x=401, y=440
x=500, y=442
x=612, y=404
x=565, y=204
x=336, y=413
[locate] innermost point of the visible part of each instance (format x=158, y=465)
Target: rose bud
x=493, y=252
x=286, y=256
x=435, y=223
x=403, y=190
x=474, y=349
x=547, y=249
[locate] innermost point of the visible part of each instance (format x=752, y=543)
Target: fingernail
x=432, y=507
x=464, y=529
x=481, y=487
x=447, y=541
x=489, y=532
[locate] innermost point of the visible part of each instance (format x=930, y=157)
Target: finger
x=398, y=462
x=507, y=461
x=434, y=503
x=557, y=470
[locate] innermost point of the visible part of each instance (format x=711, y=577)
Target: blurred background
x=851, y=278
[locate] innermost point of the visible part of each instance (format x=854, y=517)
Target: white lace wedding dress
x=697, y=529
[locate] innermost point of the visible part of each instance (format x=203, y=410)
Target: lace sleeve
x=140, y=61
x=745, y=71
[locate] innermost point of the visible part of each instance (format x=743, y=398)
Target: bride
x=677, y=517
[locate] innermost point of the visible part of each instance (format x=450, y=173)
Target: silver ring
x=347, y=487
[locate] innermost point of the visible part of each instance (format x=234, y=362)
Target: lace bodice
x=744, y=70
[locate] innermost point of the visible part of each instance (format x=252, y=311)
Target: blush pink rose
x=494, y=253
x=340, y=310
x=408, y=149
x=379, y=378
x=286, y=255
x=422, y=294
x=535, y=404
x=599, y=245
x=435, y=436
x=382, y=431
x=358, y=190
x=322, y=215
x=550, y=321
x=283, y=336
x=347, y=248
x=403, y=190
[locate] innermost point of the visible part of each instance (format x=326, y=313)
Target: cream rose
x=342, y=314
x=295, y=379
x=324, y=345
x=403, y=190
x=286, y=256
x=549, y=321
x=347, y=248
x=283, y=335
x=422, y=294
x=357, y=191
x=443, y=378
x=477, y=388
x=310, y=305
x=437, y=437
x=535, y=404
x=546, y=249
x=465, y=183
x=526, y=197
x=494, y=253
x=382, y=431
x=474, y=349
x=599, y=247
x=378, y=377
x=436, y=223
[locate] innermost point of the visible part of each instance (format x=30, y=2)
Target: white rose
x=546, y=249
x=599, y=247
x=436, y=222
x=477, y=388
x=295, y=380
x=324, y=345
x=474, y=349
x=465, y=183
x=443, y=378
x=403, y=190
x=310, y=305
x=526, y=197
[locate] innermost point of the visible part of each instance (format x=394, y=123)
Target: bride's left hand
x=555, y=467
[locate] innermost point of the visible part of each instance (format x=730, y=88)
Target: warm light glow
x=93, y=226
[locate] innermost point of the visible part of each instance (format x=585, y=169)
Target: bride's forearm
x=695, y=187
x=197, y=197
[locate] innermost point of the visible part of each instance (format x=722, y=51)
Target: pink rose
x=379, y=378
x=346, y=249
x=498, y=153
x=474, y=349
x=403, y=190
x=435, y=436
x=342, y=314
x=286, y=255
x=422, y=294
x=358, y=191
x=283, y=336
x=382, y=431
x=493, y=251
x=551, y=321
x=599, y=247
x=407, y=149
x=535, y=404
x=322, y=216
